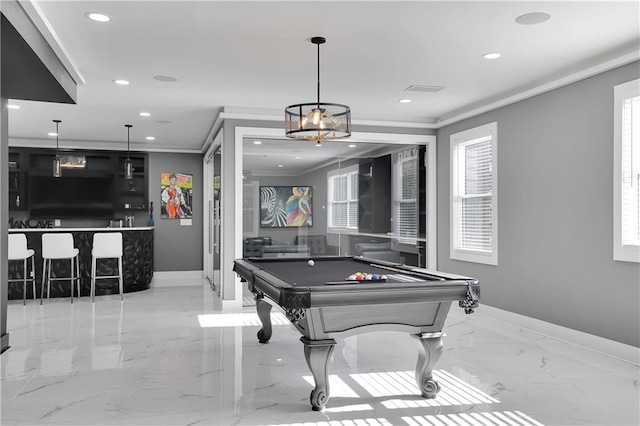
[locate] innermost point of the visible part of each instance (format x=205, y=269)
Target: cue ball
x=311, y=263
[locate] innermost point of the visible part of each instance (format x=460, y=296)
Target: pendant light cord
x=318, y=75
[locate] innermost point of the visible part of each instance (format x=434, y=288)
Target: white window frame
x=457, y=142
x=348, y=172
x=623, y=93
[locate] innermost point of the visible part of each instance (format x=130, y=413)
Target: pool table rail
x=464, y=290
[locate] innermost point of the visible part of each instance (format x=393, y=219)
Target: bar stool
x=106, y=245
x=59, y=246
x=18, y=251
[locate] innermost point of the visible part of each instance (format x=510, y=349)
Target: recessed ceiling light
x=12, y=106
x=318, y=144
x=493, y=55
x=145, y=114
x=52, y=134
x=404, y=101
x=533, y=18
x=165, y=78
x=280, y=165
x=150, y=138
x=353, y=145
x=257, y=142
x=297, y=158
x=98, y=17
x=121, y=82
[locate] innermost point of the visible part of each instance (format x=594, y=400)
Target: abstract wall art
x=286, y=206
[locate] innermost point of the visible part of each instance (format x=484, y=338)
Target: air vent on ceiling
x=423, y=88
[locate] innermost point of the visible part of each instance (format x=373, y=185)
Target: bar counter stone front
x=137, y=262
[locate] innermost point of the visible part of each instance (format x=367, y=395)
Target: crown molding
x=264, y=116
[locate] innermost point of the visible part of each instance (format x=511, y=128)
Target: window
x=405, y=196
x=626, y=170
x=474, y=212
x=342, y=199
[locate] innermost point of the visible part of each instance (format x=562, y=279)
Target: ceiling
x=256, y=57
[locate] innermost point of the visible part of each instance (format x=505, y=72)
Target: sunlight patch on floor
x=240, y=319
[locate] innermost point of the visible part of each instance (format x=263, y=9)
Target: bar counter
x=137, y=262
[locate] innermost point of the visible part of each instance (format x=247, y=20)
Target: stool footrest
x=63, y=279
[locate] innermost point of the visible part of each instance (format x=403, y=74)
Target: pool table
x=323, y=305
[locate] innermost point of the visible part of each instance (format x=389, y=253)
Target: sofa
x=252, y=247
x=317, y=244
x=381, y=251
x=296, y=250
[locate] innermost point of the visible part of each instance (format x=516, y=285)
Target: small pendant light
x=128, y=165
x=57, y=169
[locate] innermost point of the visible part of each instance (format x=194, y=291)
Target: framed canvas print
x=286, y=206
x=176, y=193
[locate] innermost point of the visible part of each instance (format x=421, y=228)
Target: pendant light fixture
x=317, y=121
x=57, y=168
x=128, y=165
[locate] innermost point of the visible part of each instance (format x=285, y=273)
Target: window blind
x=405, y=213
x=475, y=218
x=352, y=200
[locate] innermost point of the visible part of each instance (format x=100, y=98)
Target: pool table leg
x=264, y=313
x=430, y=352
x=317, y=354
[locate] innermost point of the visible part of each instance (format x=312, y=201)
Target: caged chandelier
x=317, y=121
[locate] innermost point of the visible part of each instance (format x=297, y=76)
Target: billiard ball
x=311, y=262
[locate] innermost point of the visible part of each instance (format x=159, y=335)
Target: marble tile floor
x=169, y=356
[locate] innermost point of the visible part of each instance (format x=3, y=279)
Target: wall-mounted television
x=71, y=197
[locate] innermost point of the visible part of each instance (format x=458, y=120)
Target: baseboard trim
x=608, y=347
x=175, y=278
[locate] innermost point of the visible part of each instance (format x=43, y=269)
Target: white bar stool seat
x=59, y=246
x=18, y=251
x=106, y=245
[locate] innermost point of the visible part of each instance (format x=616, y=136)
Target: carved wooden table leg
x=264, y=313
x=317, y=354
x=430, y=352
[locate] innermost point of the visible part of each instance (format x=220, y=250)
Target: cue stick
x=415, y=274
